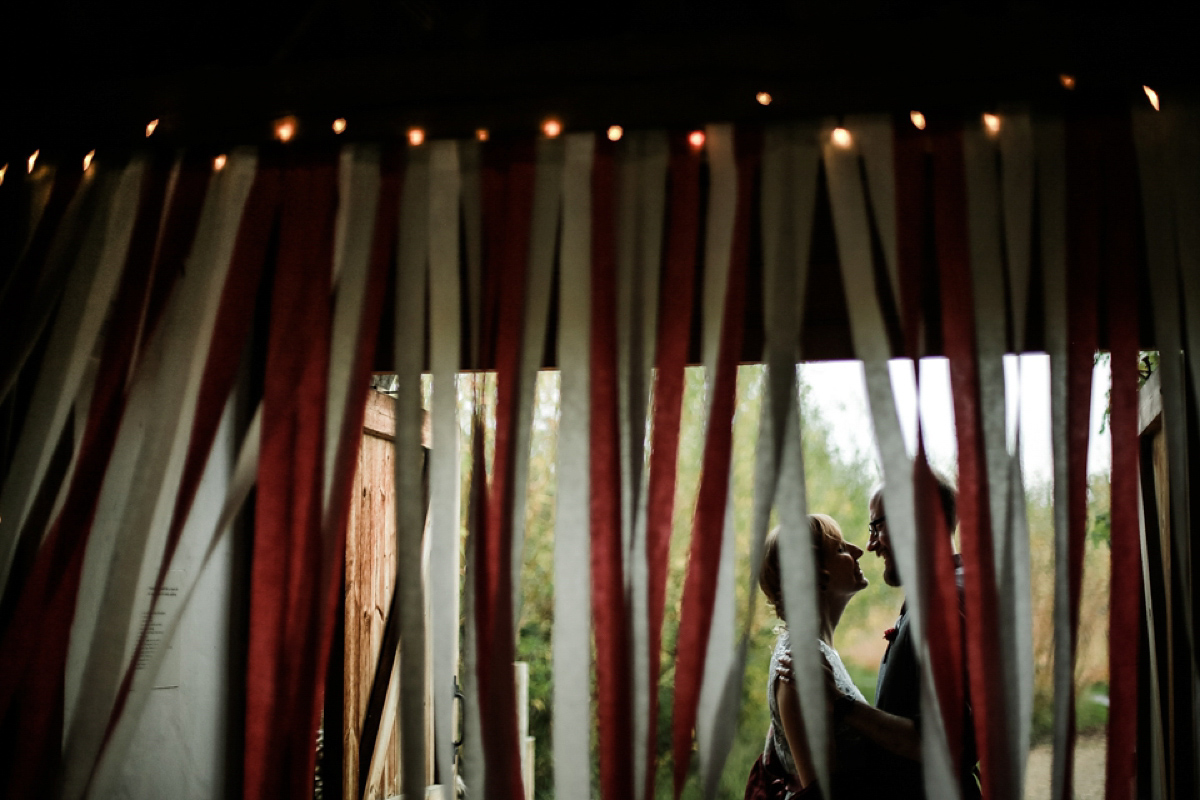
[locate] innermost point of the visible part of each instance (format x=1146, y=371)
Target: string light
x=918, y=120
x=285, y=129
x=150, y=127
x=1152, y=96
x=763, y=98
x=696, y=139
x=841, y=137
x=87, y=160
x=481, y=134
x=992, y=123
x=552, y=128
x=615, y=132
x=32, y=160
x=3, y=172
x=339, y=125
x=219, y=162
x=1067, y=81
x=416, y=136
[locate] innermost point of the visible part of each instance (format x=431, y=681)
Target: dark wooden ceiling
x=80, y=75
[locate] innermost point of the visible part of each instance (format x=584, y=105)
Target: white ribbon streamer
x=572, y=527
x=445, y=472
x=411, y=263
x=547, y=200
x=852, y=230
x=85, y=304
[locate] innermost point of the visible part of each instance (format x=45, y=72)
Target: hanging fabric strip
x=910, y=152
x=650, y=206
x=1083, y=253
x=469, y=158
x=87, y=296
x=471, y=755
x=508, y=185
x=1049, y=151
x=1017, y=187
x=142, y=481
x=246, y=200
x=699, y=592
x=31, y=291
x=953, y=253
x=127, y=714
x=445, y=475
x=411, y=260
x=572, y=582
x=1120, y=228
x=287, y=543
x=985, y=237
x=547, y=202
x=674, y=327
x=39, y=632
x=852, y=228
x=1016, y=154
x=717, y=259
x=609, y=602
x=875, y=141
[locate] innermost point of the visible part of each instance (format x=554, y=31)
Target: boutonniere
x=889, y=634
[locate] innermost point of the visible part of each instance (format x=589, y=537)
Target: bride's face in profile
x=841, y=563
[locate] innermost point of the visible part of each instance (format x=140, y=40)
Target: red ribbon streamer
x=700, y=585
x=1125, y=591
x=287, y=553
x=675, y=323
x=958, y=322
x=508, y=178
x=609, y=606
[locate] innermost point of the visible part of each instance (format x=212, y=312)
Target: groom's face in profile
x=880, y=544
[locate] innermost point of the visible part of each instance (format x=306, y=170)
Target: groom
x=893, y=724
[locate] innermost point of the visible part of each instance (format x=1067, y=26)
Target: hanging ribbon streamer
x=953, y=252
x=700, y=585
x=508, y=190
x=285, y=568
x=572, y=582
x=86, y=299
x=875, y=142
x=852, y=228
x=609, y=602
x=674, y=328
x=547, y=202
x=39, y=632
x=445, y=475
x=411, y=264
x=142, y=481
x=985, y=232
x=1120, y=230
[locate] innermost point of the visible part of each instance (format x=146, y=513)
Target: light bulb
x=552, y=128
x=339, y=125
x=1152, y=96
x=615, y=132
x=696, y=139
x=992, y=123
x=32, y=160
x=285, y=129
x=763, y=98
x=842, y=138
x=150, y=127
x=1067, y=81
x=918, y=120
x=481, y=134
x=87, y=160
x=219, y=162
x=416, y=136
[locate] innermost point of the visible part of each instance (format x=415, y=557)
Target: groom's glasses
x=876, y=526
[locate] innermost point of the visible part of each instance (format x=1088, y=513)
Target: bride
x=786, y=768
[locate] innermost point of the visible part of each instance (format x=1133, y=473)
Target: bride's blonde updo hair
x=770, y=578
